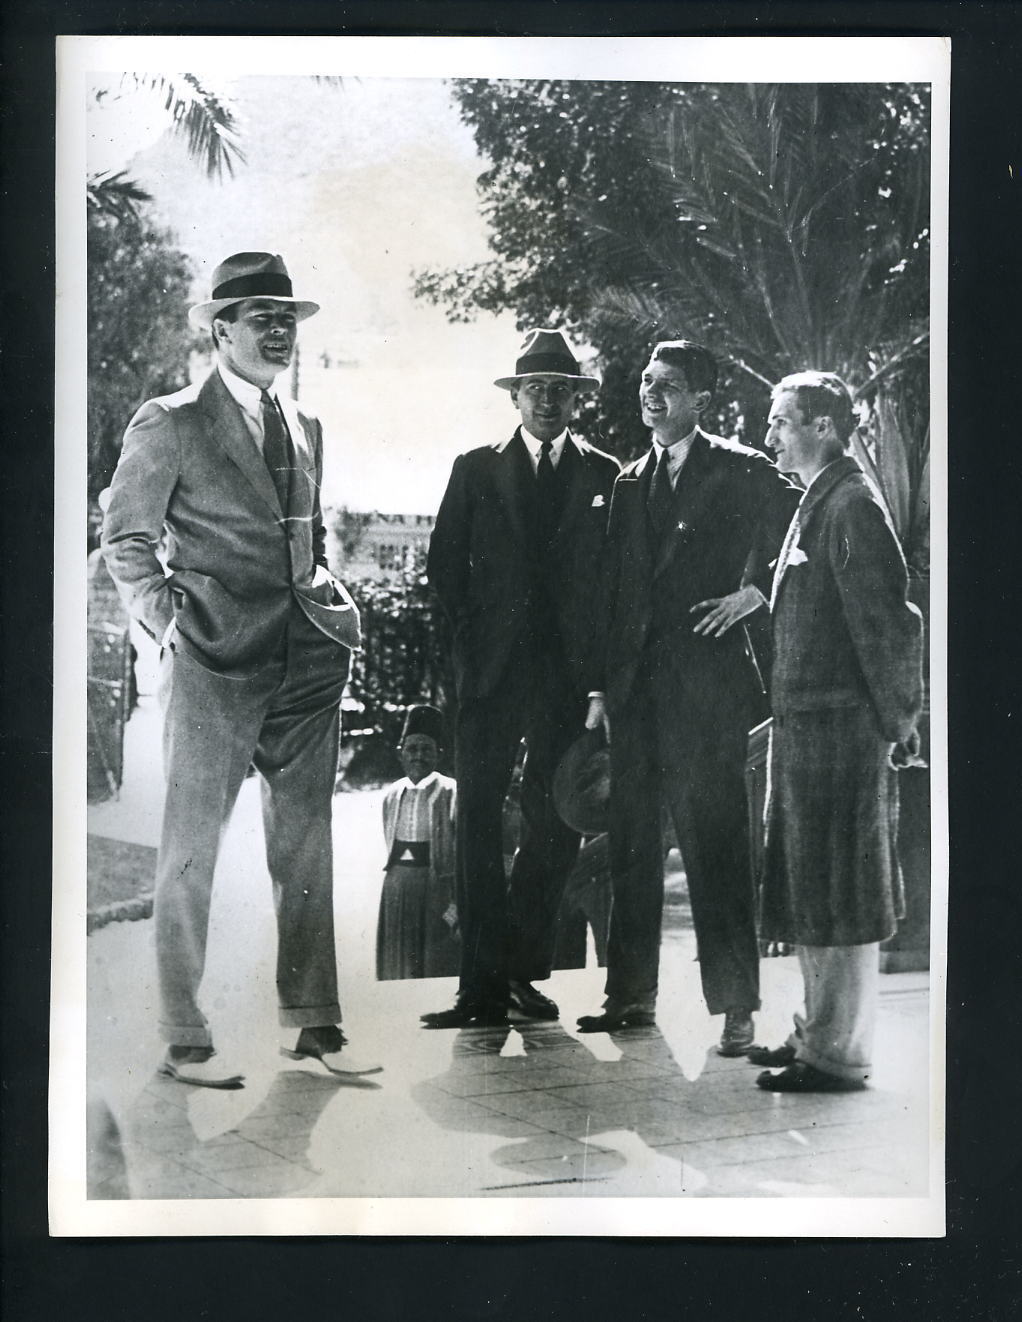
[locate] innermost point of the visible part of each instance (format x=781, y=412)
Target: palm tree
x=799, y=240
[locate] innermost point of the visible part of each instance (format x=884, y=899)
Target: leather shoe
x=775, y=1057
x=617, y=1016
x=467, y=1014
x=329, y=1047
x=738, y=1035
x=528, y=1001
x=801, y=1077
x=200, y=1067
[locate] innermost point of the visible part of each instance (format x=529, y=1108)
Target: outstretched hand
x=720, y=613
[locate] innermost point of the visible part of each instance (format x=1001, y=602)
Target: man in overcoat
x=256, y=636
x=512, y=559
x=694, y=526
x=846, y=695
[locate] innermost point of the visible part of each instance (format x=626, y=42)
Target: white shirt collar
x=534, y=446
x=676, y=448
x=244, y=392
x=424, y=783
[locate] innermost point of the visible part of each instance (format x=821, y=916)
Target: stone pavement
x=534, y=1110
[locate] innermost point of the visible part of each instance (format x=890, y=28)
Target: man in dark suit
x=256, y=636
x=694, y=527
x=512, y=559
x=847, y=691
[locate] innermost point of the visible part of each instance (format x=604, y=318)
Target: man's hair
x=229, y=313
x=821, y=395
x=698, y=364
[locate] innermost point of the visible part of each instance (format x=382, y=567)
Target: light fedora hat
x=249, y=275
x=547, y=353
x=581, y=785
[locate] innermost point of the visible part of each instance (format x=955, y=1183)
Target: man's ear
x=702, y=400
x=514, y=396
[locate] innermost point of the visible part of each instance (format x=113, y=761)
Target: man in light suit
x=256, y=636
x=694, y=527
x=512, y=559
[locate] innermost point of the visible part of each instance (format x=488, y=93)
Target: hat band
x=546, y=362
x=268, y=285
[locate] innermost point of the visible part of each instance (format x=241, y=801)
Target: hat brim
x=581, y=785
x=202, y=314
x=579, y=382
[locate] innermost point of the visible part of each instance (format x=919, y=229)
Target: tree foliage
x=784, y=225
x=139, y=341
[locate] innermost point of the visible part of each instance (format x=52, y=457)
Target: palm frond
x=202, y=116
x=115, y=195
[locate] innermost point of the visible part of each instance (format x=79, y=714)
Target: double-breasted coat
x=847, y=684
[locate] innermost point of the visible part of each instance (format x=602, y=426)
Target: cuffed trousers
x=284, y=719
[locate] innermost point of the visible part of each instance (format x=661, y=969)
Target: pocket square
x=598, y=501
x=796, y=556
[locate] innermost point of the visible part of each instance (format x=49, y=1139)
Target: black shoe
x=467, y=1014
x=775, y=1057
x=617, y=1016
x=738, y=1035
x=801, y=1077
x=530, y=1002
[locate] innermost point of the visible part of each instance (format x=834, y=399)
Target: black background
x=976, y=1273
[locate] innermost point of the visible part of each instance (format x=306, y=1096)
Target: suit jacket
x=235, y=560
x=731, y=510
x=489, y=570
x=845, y=634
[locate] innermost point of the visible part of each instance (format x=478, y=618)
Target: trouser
x=835, y=1034
x=509, y=929
x=284, y=719
x=677, y=748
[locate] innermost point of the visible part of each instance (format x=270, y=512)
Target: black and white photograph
x=500, y=709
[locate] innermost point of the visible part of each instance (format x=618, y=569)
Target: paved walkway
x=531, y=1111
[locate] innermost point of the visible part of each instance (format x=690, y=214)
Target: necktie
x=276, y=449
x=546, y=491
x=660, y=502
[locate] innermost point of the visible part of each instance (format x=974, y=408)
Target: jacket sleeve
x=140, y=493
x=448, y=563
x=885, y=628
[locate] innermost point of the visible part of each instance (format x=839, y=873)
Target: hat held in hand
x=582, y=784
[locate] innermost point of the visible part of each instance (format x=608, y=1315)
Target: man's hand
x=722, y=612
x=597, y=715
x=906, y=753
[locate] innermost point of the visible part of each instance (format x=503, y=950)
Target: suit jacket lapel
x=227, y=428
x=513, y=471
x=691, y=496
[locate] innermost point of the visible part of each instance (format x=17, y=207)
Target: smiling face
x=546, y=404
x=670, y=408
x=257, y=345
x=419, y=756
x=799, y=447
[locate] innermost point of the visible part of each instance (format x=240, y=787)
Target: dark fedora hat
x=547, y=353
x=582, y=784
x=249, y=275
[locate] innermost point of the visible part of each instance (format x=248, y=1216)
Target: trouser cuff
x=310, y=1016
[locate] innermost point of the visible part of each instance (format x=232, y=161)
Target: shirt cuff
x=168, y=633
x=596, y=693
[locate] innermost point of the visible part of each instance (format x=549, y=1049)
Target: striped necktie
x=276, y=448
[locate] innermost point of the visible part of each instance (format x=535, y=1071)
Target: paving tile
x=590, y=1163
x=503, y=1081
x=211, y=1158
x=543, y=1145
x=528, y=1104
x=282, y=1181
x=595, y=1096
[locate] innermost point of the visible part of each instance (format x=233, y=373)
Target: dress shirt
x=677, y=453
x=249, y=399
x=534, y=447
